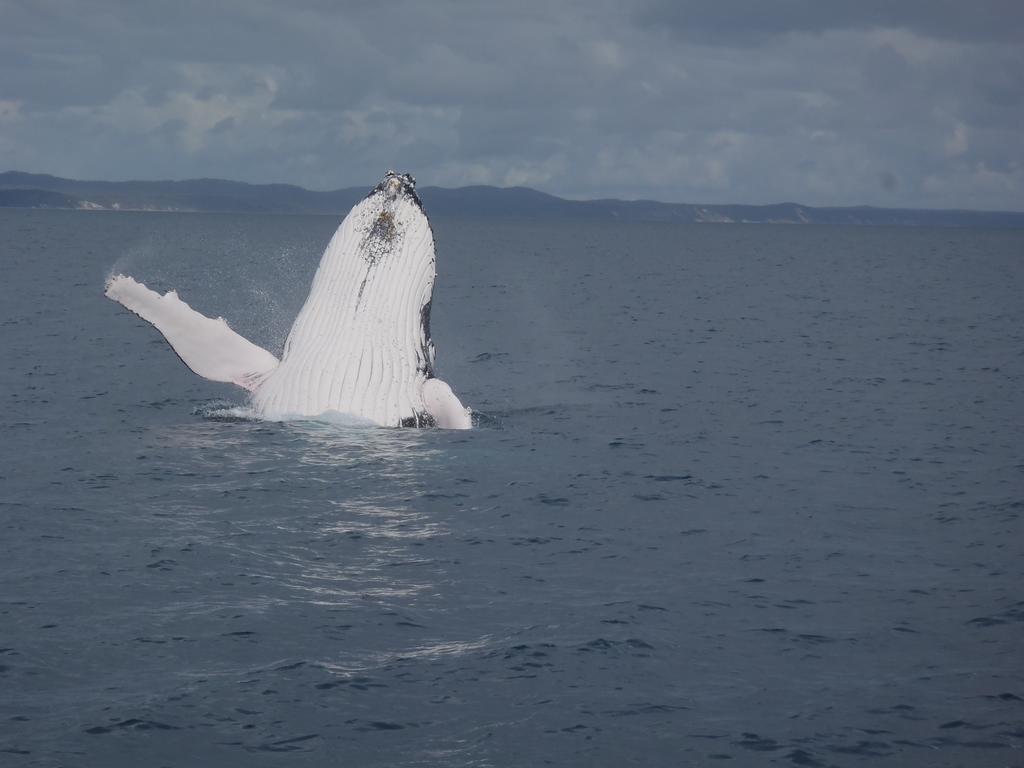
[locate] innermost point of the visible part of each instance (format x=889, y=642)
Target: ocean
x=737, y=494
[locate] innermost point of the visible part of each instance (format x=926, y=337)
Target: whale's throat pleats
x=361, y=344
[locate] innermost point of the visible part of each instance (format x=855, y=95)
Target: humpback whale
x=361, y=344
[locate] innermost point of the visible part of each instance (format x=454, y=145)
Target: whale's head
x=397, y=185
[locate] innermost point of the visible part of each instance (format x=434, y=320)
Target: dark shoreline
x=39, y=191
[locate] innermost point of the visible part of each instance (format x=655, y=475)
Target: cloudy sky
x=884, y=102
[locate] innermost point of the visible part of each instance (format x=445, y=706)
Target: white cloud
x=10, y=110
x=607, y=54
x=956, y=143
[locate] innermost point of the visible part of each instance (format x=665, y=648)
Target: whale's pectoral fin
x=445, y=408
x=207, y=346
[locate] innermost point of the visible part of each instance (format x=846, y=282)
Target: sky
x=905, y=103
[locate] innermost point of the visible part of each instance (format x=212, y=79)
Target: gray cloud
x=749, y=22
x=910, y=103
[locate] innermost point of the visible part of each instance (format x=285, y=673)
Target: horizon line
x=515, y=187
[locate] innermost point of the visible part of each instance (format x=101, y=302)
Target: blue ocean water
x=738, y=495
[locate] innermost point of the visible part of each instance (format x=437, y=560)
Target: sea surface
x=737, y=495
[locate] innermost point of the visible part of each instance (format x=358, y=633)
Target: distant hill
x=30, y=190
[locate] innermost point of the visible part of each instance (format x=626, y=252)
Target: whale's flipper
x=444, y=407
x=207, y=346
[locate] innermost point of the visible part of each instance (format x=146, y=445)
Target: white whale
x=361, y=343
